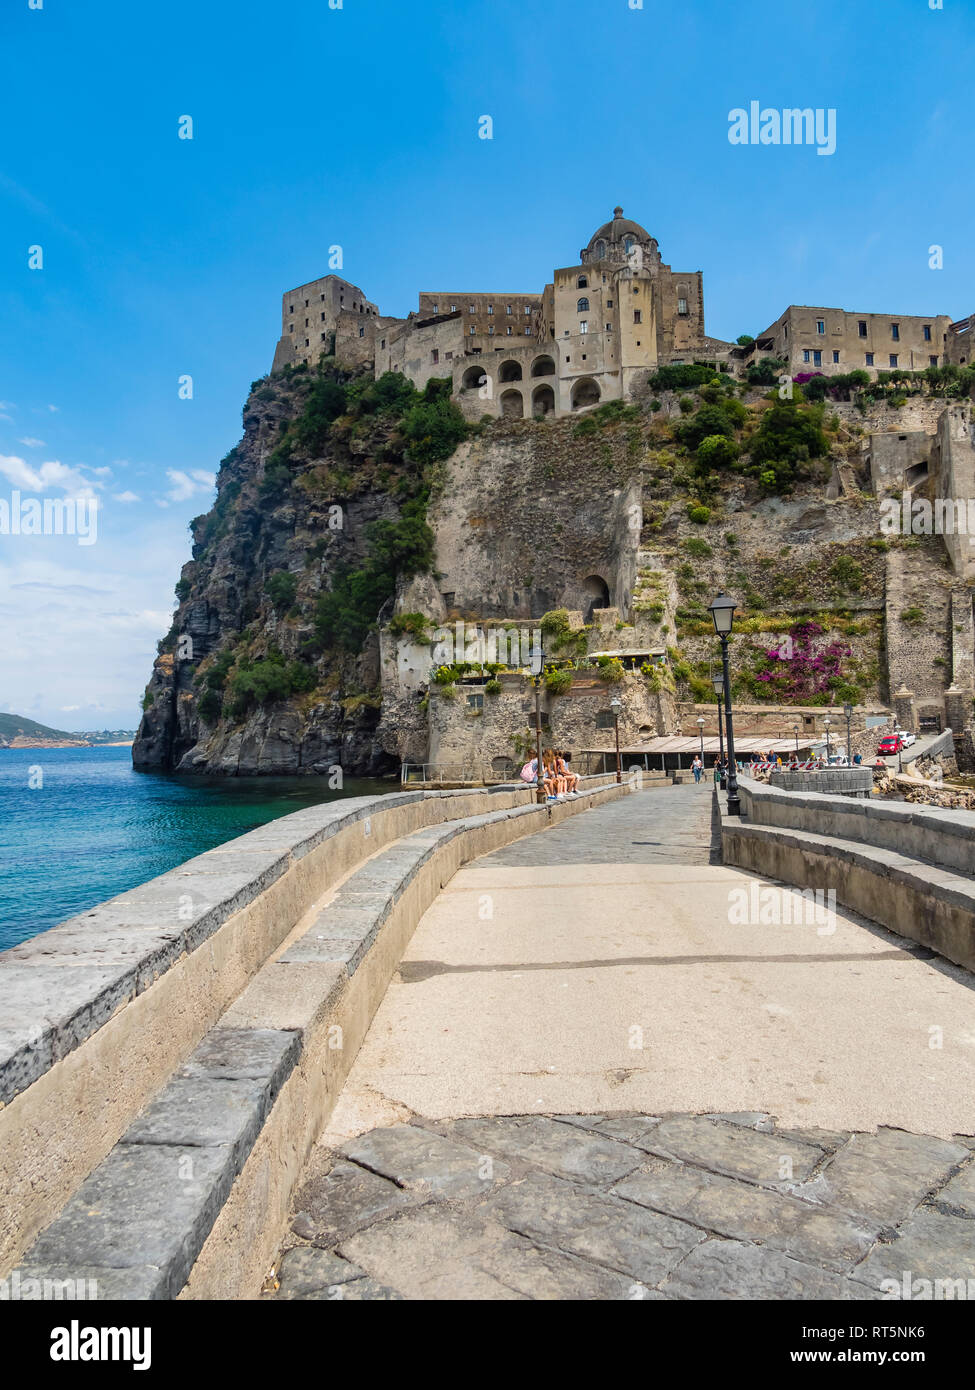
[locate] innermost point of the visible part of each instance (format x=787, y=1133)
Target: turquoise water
x=95, y=828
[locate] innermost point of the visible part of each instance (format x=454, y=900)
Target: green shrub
x=493, y=687
x=700, y=515
x=281, y=589
x=696, y=545
x=557, y=682
x=912, y=615
x=416, y=624
x=268, y=681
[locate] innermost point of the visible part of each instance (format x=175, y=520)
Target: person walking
x=697, y=767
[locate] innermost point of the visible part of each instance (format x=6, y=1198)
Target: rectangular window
x=682, y=306
x=306, y=323
x=490, y=329
x=508, y=309
x=869, y=359
x=932, y=361
x=927, y=333
x=383, y=343
x=836, y=357
x=527, y=309
x=893, y=359
x=805, y=354
x=490, y=308
x=473, y=330
x=475, y=701
x=583, y=325
x=820, y=326
x=637, y=316
x=324, y=336
x=453, y=308
x=435, y=356
x=306, y=303
x=895, y=332
x=323, y=318
x=291, y=308
x=362, y=332
x=609, y=328
x=527, y=332
x=448, y=356
x=862, y=327
x=605, y=720
x=609, y=304
x=509, y=330
x=435, y=308
x=817, y=359
x=470, y=308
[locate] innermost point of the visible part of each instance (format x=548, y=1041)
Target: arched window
x=599, y=250
x=582, y=283
x=628, y=245
x=582, y=307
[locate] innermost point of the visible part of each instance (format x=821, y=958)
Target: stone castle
x=594, y=333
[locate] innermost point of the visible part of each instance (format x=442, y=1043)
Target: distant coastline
x=23, y=742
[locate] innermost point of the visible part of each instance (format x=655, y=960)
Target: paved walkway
x=570, y=1086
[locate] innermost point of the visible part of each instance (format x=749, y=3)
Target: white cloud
x=51, y=474
x=54, y=409
x=32, y=443
x=126, y=496
x=188, y=484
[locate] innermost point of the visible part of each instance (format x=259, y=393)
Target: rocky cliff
x=271, y=665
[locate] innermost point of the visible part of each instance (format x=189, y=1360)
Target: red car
x=893, y=743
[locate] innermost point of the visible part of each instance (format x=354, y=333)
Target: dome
x=614, y=234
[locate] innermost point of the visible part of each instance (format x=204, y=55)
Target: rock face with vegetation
x=358, y=514
x=272, y=662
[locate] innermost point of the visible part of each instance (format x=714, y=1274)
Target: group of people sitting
x=559, y=781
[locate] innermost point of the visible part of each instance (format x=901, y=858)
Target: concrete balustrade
x=147, y=989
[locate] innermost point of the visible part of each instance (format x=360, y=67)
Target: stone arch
x=543, y=366
x=543, y=401
x=510, y=371
x=473, y=378
x=585, y=392
x=597, y=592
x=512, y=405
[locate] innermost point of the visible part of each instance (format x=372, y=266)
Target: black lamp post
x=616, y=705
x=539, y=788
x=718, y=684
x=848, y=715
x=700, y=725
x=722, y=611
x=795, y=730
x=826, y=727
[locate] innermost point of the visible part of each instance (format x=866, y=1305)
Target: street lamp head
x=718, y=684
x=616, y=704
x=795, y=728
x=826, y=722
x=700, y=721
x=848, y=711
x=722, y=610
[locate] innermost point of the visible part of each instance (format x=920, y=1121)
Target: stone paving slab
x=432, y=1253
x=929, y=1246
x=743, y=1212
x=772, y=1160
x=885, y=1175
x=309, y=1273
x=559, y=1149
x=344, y=1198
x=605, y=1230
x=729, y=1269
x=418, y=1158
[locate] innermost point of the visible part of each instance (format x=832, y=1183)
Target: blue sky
x=358, y=126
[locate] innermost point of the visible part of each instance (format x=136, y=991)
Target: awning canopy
x=675, y=743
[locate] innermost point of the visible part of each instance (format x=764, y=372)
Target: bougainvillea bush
x=803, y=669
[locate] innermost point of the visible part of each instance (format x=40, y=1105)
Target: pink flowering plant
x=803, y=669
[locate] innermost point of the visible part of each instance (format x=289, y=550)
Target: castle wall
x=954, y=477
x=854, y=339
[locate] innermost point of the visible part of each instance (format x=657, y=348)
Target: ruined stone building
x=833, y=341
x=593, y=334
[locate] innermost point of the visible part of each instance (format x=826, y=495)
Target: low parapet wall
x=845, y=781
x=928, y=833
x=101, y=1011
x=906, y=867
